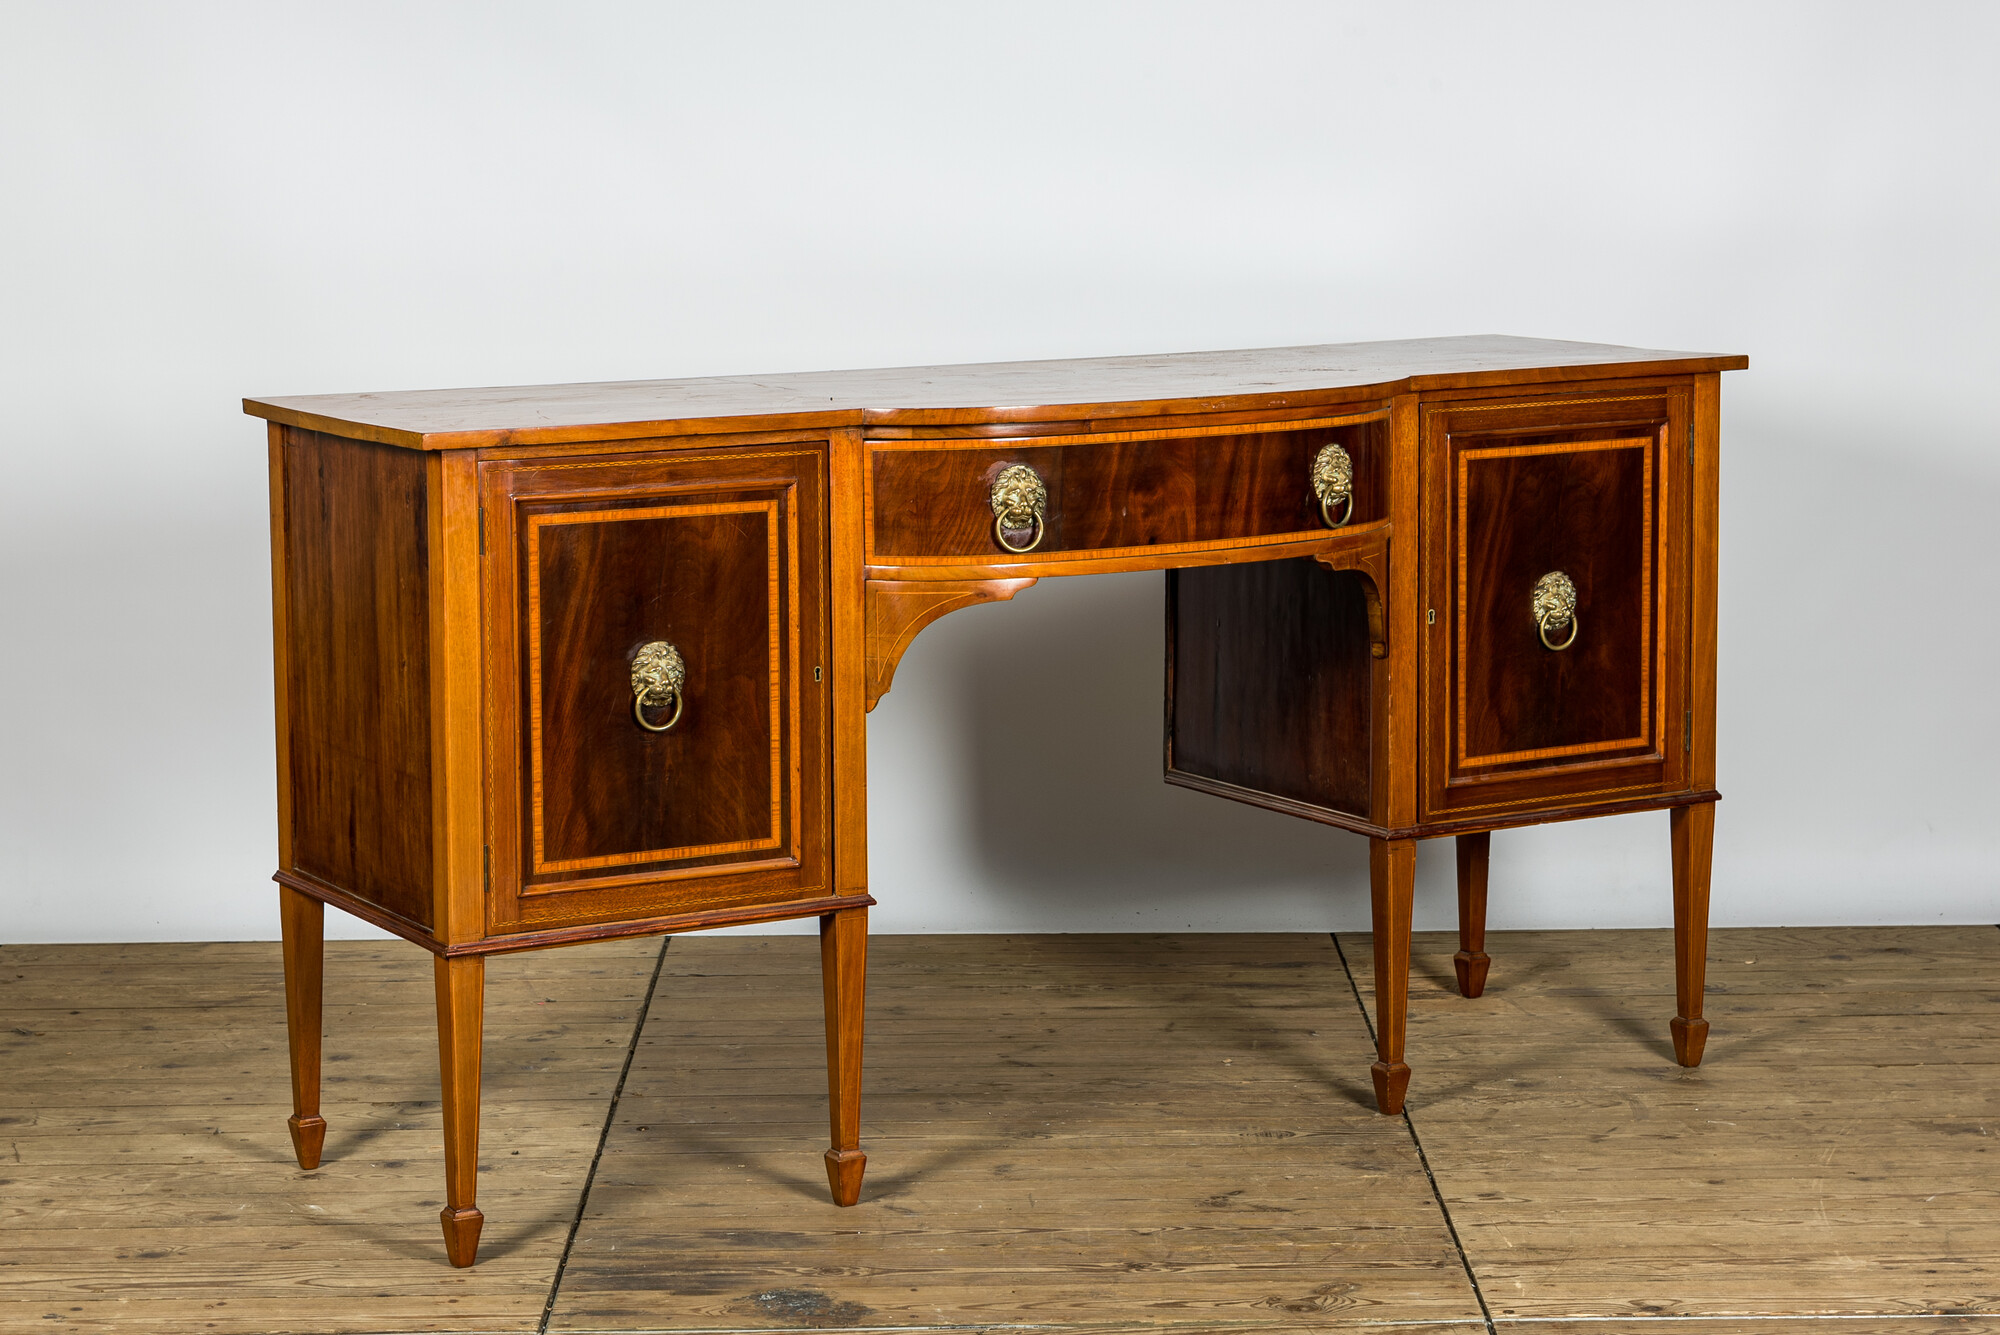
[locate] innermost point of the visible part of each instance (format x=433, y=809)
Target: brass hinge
x=1687, y=731
x=482, y=530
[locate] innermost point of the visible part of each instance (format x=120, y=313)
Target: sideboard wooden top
x=982, y=393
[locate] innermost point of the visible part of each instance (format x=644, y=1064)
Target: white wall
x=203, y=201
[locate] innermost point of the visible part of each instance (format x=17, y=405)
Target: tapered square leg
x=1471, y=961
x=1694, y=845
x=302, y=922
x=461, y=1004
x=1392, y=870
x=843, y=961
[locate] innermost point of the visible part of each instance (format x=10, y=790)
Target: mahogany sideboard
x=567, y=662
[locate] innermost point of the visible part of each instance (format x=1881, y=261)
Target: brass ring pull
x=1554, y=604
x=659, y=677
x=1000, y=536
x=1333, y=483
x=1543, y=626
x=1020, y=500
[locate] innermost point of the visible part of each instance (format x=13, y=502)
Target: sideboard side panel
x=357, y=669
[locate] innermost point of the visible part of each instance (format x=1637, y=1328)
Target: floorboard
x=1111, y=1135
x=1837, y=1154
x=146, y=1177
x=1062, y=1130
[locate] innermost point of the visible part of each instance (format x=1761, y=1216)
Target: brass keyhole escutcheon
x=1020, y=500
x=659, y=679
x=1554, y=606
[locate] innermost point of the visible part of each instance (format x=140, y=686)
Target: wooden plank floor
x=148, y=1178
x=1837, y=1153
x=1063, y=1131
x=1109, y=1134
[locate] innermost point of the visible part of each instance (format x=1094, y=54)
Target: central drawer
x=934, y=502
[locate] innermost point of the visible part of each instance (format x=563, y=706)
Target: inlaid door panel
x=1556, y=575
x=662, y=631
x=706, y=577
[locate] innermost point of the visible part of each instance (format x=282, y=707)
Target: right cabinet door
x=1556, y=575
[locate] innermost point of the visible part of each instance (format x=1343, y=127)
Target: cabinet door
x=1576, y=698
x=603, y=806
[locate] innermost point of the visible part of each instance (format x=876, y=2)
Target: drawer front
x=619, y=794
x=1556, y=560
x=932, y=502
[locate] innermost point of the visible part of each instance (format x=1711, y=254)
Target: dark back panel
x=358, y=665
x=1270, y=680
x=935, y=502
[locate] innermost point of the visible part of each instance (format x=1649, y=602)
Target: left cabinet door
x=710, y=792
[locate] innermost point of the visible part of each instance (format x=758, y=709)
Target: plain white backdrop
x=203, y=201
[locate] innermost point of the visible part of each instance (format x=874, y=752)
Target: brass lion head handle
x=1020, y=500
x=659, y=679
x=1333, y=483
x=1554, y=606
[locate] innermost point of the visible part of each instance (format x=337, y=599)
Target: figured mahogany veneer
x=463, y=581
x=358, y=751
x=1593, y=485
x=721, y=553
x=1116, y=492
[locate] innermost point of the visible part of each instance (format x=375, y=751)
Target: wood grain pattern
x=801, y=525
x=1032, y=1158
x=849, y=651
x=461, y=1010
x=1908, y=1323
x=512, y=942
x=1592, y=483
x=1704, y=554
x=931, y=503
x=1398, y=686
x=1584, y=509
x=302, y=922
x=281, y=635
x=709, y=577
x=1834, y=1157
x=723, y=554
x=843, y=968
x=458, y=788
x=898, y=609
x=1471, y=963
x=358, y=670
x=1832, y=1163
x=1338, y=548
x=1263, y=379
x=1392, y=869
x=1692, y=833
x=1270, y=677
x=150, y=1184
